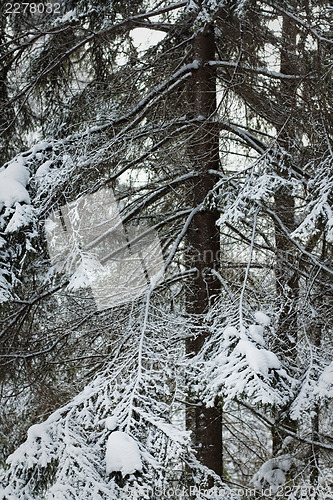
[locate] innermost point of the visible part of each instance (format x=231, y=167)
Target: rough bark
x=203, y=243
x=287, y=279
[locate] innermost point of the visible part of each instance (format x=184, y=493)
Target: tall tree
x=203, y=239
x=287, y=275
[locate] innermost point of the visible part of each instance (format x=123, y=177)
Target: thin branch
x=261, y=71
x=270, y=423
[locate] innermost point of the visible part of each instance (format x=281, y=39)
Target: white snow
x=156, y=279
x=262, y=318
x=44, y=168
x=50, y=225
x=324, y=386
x=144, y=38
x=122, y=454
x=260, y=360
x=230, y=332
x=13, y=181
x=40, y=146
x=256, y=333
x=111, y=423
x=22, y=216
x=272, y=473
x=36, y=431
x=89, y=271
x=69, y=16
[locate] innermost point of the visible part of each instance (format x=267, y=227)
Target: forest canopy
x=166, y=230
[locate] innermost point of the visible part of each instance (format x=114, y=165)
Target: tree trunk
x=203, y=243
x=287, y=279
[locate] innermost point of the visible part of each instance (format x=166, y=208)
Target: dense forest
x=166, y=230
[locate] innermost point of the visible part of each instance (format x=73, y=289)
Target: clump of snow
x=330, y=230
x=22, y=217
x=36, y=431
x=89, y=270
x=69, y=16
x=43, y=169
x=256, y=333
x=272, y=473
x=260, y=360
x=4, y=287
x=122, y=454
x=111, y=423
x=324, y=386
x=233, y=214
x=230, y=332
x=13, y=181
x=40, y=146
x=17, y=170
x=50, y=225
x=156, y=279
x=262, y=318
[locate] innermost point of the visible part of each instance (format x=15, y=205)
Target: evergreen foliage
x=216, y=132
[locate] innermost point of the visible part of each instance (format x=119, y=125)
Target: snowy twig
x=270, y=424
x=247, y=271
x=261, y=71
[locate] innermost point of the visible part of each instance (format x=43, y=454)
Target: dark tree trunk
x=203, y=242
x=287, y=278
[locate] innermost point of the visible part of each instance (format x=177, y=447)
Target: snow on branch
x=242, y=367
x=318, y=213
x=299, y=21
x=261, y=71
x=116, y=438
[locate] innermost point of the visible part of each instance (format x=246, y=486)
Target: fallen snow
x=122, y=454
